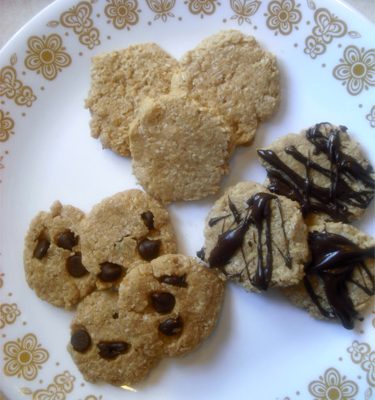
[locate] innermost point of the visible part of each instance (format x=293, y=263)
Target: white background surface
x=15, y=13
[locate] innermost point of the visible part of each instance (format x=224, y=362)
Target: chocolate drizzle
x=333, y=200
x=334, y=259
x=231, y=240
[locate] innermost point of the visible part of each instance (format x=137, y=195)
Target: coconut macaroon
x=232, y=74
x=179, y=148
x=119, y=81
x=256, y=238
x=323, y=169
x=339, y=281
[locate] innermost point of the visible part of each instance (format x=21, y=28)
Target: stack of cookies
x=293, y=233
x=181, y=121
x=137, y=300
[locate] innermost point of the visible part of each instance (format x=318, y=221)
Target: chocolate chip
x=148, y=219
x=75, y=267
x=80, y=340
x=163, y=302
x=149, y=249
x=66, y=240
x=110, y=272
x=174, y=280
x=201, y=253
x=115, y=315
x=111, y=350
x=171, y=326
x=41, y=247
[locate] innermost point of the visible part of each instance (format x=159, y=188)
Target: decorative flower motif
x=333, y=387
x=162, y=8
x=358, y=351
x=368, y=365
x=122, y=12
x=244, y=9
x=8, y=314
x=371, y=117
x=65, y=381
x=357, y=69
x=314, y=47
x=78, y=17
x=90, y=38
x=24, y=357
x=6, y=126
x=46, y=55
x=52, y=392
x=202, y=7
x=283, y=16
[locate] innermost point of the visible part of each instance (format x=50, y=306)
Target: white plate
x=263, y=348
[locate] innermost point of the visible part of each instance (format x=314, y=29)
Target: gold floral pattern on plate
x=6, y=126
x=8, y=313
x=61, y=386
x=1, y=274
x=371, y=118
x=162, y=8
x=327, y=27
x=79, y=19
x=202, y=7
x=357, y=69
x=47, y=56
x=123, y=13
x=13, y=88
x=333, y=386
x=244, y=9
x=361, y=353
x=24, y=357
x=283, y=16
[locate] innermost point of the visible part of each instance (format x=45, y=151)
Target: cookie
x=323, y=169
x=230, y=73
x=105, y=346
x=52, y=257
x=339, y=281
x=179, y=149
x=121, y=229
x=119, y=80
x=180, y=297
x=256, y=238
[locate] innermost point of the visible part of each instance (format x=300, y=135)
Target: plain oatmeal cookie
x=256, y=238
x=52, y=257
x=179, y=148
x=126, y=227
x=231, y=74
x=119, y=81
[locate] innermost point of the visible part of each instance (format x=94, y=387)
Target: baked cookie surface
x=121, y=229
x=231, y=74
x=106, y=346
x=323, y=169
x=119, y=80
x=179, y=148
x=339, y=281
x=256, y=238
x=52, y=257
x=180, y=297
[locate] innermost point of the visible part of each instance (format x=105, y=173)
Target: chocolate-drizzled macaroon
x=256, y=238
x=323, y=169
x=129, y=226
x=53, y=259
x=339, y=280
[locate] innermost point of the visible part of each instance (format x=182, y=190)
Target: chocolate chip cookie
x=339, y=281
x=179, y=148
x=52, y=257
x=180, y=297
x=323, y=169
x=119, y=80
x=106, y=346
x=256, y=238
x=230, y=73
x=121, y=229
